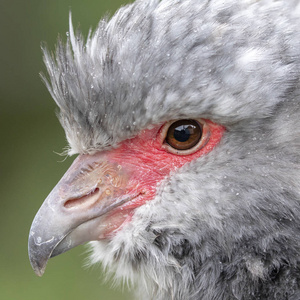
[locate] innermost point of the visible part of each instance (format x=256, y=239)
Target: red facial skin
x=148, y=162
x=99, y=193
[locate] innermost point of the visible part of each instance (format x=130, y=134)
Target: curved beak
x=76, y=209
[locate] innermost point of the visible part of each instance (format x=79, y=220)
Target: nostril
x=86, y=200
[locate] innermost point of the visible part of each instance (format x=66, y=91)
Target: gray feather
x=233, y=228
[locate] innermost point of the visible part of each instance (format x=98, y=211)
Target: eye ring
x=184, y=137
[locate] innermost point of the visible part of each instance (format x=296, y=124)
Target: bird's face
x=98, y=195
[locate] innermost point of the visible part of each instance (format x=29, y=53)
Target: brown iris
x=184, y=134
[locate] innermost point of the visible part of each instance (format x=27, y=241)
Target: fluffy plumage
x=225, y=226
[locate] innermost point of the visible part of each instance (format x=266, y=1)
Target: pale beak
x=75, y=210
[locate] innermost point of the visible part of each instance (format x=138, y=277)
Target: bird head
x=185, y=118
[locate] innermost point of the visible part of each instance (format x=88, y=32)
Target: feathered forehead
x=160, y=60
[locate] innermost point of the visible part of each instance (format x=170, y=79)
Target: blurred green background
x=30, y=136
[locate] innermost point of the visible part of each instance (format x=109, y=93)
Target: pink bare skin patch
x=148, y=162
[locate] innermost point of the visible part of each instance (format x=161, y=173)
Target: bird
x=185, y=119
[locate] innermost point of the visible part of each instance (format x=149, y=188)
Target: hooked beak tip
x=39, y=270
x=39, y=255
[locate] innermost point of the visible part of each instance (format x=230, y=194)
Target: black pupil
x=182, y=133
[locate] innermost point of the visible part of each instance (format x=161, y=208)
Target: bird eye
x=184, y=134
x=184, y=137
